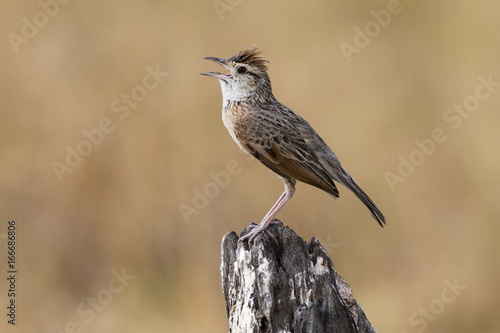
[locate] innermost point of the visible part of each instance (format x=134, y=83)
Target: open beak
x=222, y=62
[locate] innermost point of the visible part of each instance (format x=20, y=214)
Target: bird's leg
x=268, y=219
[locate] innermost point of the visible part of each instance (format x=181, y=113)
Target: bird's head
x=247, y=77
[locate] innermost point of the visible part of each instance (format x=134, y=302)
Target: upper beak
x=222, y=62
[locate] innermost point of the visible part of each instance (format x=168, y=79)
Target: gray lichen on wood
x=286, y=286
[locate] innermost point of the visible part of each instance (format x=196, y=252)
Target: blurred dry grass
x=120, y=207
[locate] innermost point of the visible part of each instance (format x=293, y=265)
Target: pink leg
x=267, y=220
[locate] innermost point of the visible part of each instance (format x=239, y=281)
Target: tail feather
x=349, y=182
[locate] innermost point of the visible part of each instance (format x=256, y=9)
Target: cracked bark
x=291, y=286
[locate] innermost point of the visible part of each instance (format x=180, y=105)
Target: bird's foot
x=255, y=230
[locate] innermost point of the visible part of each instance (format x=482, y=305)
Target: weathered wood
x=291, y=286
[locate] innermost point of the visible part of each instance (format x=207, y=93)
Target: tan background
x=119, y=208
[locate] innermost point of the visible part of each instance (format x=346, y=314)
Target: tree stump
x=286, y=285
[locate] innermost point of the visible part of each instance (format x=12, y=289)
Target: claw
x=273, y=237
x=255, y=230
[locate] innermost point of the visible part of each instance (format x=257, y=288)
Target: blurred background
x=110, y=142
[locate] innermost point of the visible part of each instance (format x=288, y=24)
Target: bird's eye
x=242, y=70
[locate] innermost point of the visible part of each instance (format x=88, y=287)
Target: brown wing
x=280, y=147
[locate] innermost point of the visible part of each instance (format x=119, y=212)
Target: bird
x=275, y=135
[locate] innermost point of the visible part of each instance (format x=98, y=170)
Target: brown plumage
x=281, y=139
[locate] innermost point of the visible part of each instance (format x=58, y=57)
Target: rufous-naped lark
x=275, y=135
